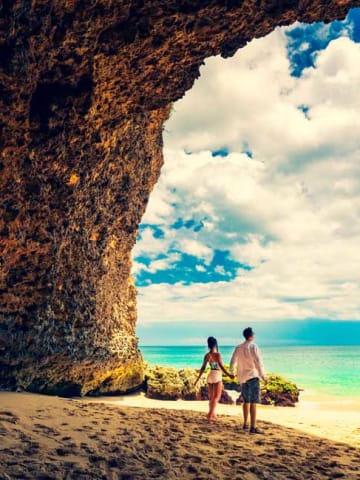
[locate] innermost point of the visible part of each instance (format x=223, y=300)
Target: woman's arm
x=233, y=361
x=202, y=369
x=223, y=368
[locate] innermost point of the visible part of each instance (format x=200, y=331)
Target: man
x=250, y=369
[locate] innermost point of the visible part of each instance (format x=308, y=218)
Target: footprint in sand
x=86, y=448
x=259, y=442
x=206, y=470
x=281, y=451
x=192, y=469
x=6, y=416
x=7, y=413
x=44, y=476
x=114, y=449
x=62, y=452
x=193, y=458
x=95, y=458
x=337, y=474
x=45, y=428
x=116, y=463
x=30, y=452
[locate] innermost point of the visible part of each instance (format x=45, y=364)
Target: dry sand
x=333, y=418
x=52, y=438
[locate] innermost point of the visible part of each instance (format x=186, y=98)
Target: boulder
x=163, y=383
x=225, y=397
x=168, y=383
x=279, y=391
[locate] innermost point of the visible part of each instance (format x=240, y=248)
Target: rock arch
x=84, y=93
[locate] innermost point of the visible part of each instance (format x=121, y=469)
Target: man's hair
x=248, y=332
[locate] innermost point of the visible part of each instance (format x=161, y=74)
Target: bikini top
x=214, y=365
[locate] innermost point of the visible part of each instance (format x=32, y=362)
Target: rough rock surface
x=168, y=383
x=84, y=90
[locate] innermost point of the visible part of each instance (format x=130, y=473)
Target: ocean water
x=327, y=370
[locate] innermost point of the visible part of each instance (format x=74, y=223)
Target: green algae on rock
x=279, y=391
x=168, y=383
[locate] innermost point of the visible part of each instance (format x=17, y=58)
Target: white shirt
x=247, y=358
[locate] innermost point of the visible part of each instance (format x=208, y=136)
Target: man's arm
x=258, y=362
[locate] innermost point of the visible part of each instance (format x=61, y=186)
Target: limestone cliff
x=84, y=89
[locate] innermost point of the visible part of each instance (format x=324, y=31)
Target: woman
x=214, y=379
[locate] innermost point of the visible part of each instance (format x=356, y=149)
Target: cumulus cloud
x=282, y=201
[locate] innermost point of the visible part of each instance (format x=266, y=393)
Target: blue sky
x=282, y=332
x=255, y=219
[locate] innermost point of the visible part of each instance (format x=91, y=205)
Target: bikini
x=215, y=374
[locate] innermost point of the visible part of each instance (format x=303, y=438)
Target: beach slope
x=51, y=438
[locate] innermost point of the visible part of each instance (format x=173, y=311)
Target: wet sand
x=52, y=438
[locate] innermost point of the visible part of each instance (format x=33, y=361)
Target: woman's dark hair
x=212, y=342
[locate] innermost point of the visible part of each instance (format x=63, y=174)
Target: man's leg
x=245, y=413
x=252, y=415
x=254, y=385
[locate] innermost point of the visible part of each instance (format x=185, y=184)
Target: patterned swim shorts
x=251, y=390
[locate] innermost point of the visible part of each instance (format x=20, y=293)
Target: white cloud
x=291, y=212
x=200, y=268
x=193, y=247
x=220, y=269
x=304, y=46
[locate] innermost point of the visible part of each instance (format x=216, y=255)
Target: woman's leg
x=217, y=389
x=211, y=396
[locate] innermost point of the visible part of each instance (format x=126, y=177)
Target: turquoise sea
x=328, y=370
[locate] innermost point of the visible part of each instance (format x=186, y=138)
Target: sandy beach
x=327, y=417
x=132, y=437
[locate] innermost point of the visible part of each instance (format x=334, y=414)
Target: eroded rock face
x=85, y=88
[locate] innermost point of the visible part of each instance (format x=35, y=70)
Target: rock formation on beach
x=169, y=383
x=85, y=88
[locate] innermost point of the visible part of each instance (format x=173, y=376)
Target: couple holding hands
x=246, y=357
